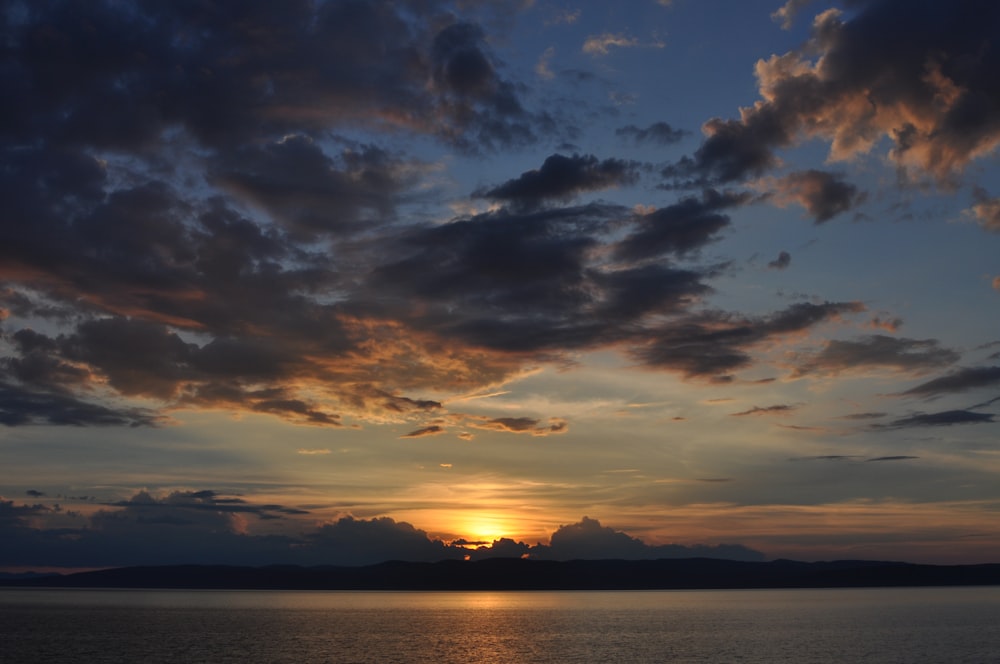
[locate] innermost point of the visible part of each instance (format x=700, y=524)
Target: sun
x=484, y=529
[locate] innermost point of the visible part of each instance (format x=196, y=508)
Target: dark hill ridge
x=518, y=574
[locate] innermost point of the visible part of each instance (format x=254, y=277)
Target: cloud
x=526, y=425
x=296, y=410
x=34, y=493
x=17, y=516
x=276, y=265
x=986, y=210
x=711, y=345
x=887, y=324
x=534, y=281
x=565, y=16
x=20, y=406
x=206, y=527
x=501, y=548
x=561, y=178
x=312, y=451
x=823, y=195
x=680, y=228
x=828, y=457
x=887, y=71
x=542, y=67
x=364, y=62
x=176, y=503
x=181, y=527
x=588, y=539
x=961, y=380
x=350, y=541
x=786, y=13
x=778, y=409
x=659, y=133
x=878, y=350
x=310, y=192
x=854, y=457
x=782, y=262
x=939, y=419
x=480, y=102
x=602, y=44
x=431, y=430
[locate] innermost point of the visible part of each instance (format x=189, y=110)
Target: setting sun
x=481, y=529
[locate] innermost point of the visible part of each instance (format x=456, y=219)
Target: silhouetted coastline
x=526, y=574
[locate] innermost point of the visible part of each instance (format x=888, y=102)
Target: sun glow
x=484, y=529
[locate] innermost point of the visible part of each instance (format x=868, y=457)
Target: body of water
x=905, y=625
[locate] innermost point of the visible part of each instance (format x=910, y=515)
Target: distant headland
x=527, y=574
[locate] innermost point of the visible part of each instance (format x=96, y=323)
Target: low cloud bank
x=205, y=527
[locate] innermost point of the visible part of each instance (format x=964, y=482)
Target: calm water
x=856, y=625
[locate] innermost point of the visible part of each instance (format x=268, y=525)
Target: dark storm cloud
x=962, y=380
x=878, y=350
x=782, y=262
x=34, y=493
x=713, y=344
x=939, y=419
x=823, y=195
x=561, y=178
x=921, y=74
x=900, y=457
x=659, y=133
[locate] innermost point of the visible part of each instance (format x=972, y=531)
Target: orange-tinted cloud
x=823, y=195
x=526, y=425
x=886, y=72
x=986, y=210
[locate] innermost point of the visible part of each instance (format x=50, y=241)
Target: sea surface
x=910, y=625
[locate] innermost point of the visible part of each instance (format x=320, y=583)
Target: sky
x=339, y=282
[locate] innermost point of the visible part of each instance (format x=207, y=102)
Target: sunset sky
x=338, y=282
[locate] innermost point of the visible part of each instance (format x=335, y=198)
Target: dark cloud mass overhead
x=358, y=264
